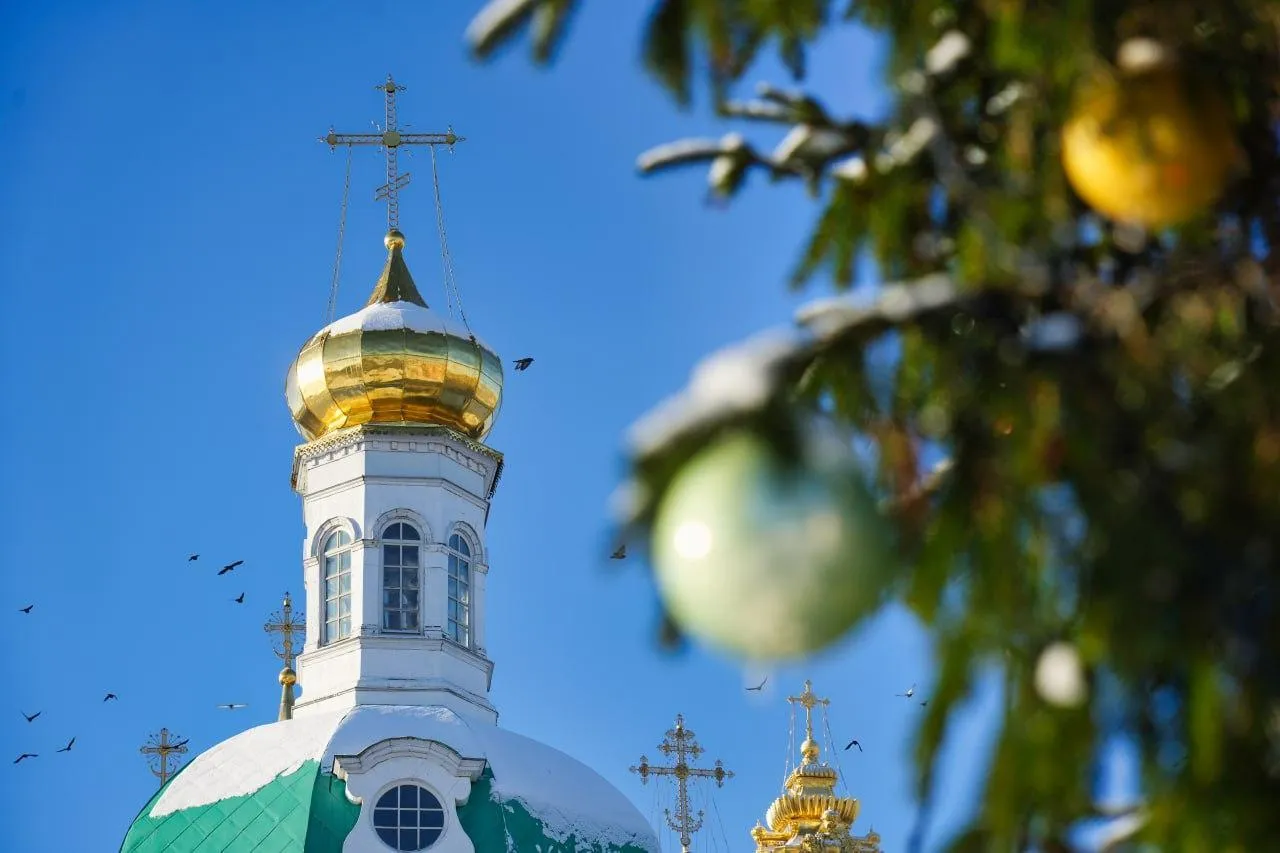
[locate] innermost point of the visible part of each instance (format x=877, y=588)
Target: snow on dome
x=384, y=316
x=568, y=797
x=248, y=761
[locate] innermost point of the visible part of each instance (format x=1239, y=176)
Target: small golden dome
x=288, y=676
x=394, y=362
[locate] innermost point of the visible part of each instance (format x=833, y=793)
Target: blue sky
x=167, y=223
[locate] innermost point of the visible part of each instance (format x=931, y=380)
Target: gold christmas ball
x=767, y=561
x=1146, y=146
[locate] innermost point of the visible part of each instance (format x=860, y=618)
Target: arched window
x=337, y=587
x=459, y=629
x=400, y=574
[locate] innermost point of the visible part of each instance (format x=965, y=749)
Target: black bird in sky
x=24, y=756
x=230, y=567
x=232, y=706
x=523, y=363
x=760, y=686
x=180, y=743
x=852, y=744
x=31, y=718
x=911, y=691
x=26, y=609
x=239, y=599
x=109, y=697
x=67, y=748
x=620, y=553
x=924, y=702
x=193, y=558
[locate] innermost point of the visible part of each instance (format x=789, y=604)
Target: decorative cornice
x=432, y=642
x=433, y=751
x=356, y=434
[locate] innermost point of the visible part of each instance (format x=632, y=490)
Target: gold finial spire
x=395, y=284
x=390, y=140
x=283, y=623
x=809, y=815
x=158, y=749
x=681, y=743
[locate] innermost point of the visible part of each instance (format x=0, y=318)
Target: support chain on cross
x=391, y=140
x=681, y=744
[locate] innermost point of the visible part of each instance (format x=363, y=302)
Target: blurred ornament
x=1144, y=147
x=766, y=557
x=1060, y=676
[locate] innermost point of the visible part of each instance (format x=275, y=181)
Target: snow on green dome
x=384, y=778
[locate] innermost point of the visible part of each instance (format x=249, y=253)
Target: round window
x=408, y=817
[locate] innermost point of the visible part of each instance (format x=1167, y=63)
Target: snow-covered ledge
x=408, y=760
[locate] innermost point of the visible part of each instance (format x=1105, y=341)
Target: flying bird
x=239, y=599
x=910, y=692
x=24, y=756
x=193, y=558
x=924, y=702
x=232, y=706
x=760, y=686
x=230, y=567
x=523, y=363
x=852, y=744
x=31, y=718
x=180, y=744
x=109, y=697
x=26, y=609
x=67, y=748
x=620, y=553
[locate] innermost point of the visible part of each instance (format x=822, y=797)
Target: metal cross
x=808, y=701
x=283, y=623
x=390, y=140
x=681, y=743
x=160, y=747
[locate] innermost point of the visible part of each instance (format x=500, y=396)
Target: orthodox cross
x=158, y=750
x=808, y=701
x=682, y=744
x=390, y=140
x=283, y=623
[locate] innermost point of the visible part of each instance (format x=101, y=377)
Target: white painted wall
x=361, y=481
x=406, y=760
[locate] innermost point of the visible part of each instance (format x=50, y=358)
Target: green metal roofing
x=306, y=811
x=508, y=827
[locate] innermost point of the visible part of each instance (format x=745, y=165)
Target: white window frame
x=415, y=543
x=444, y=812
x=339, y=557
x=460, y=632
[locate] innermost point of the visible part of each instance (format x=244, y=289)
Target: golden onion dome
x=394, y=362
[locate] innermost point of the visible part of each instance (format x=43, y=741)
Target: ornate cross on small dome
x=681, y=743
x=158, y=750
x=391, y=140
x=287, y=627
x=808, y=701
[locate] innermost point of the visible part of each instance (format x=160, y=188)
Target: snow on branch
x=687, y=151
x=496, y=21
x=745, y=378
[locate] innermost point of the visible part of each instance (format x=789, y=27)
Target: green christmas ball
x=765, y=560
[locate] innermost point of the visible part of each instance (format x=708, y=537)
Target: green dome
x=306, y=810
x=290, y=786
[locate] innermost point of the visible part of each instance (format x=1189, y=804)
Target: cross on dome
x=391, y=140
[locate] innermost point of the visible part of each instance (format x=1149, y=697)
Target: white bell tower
x=394, y=402
x=395, y=568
